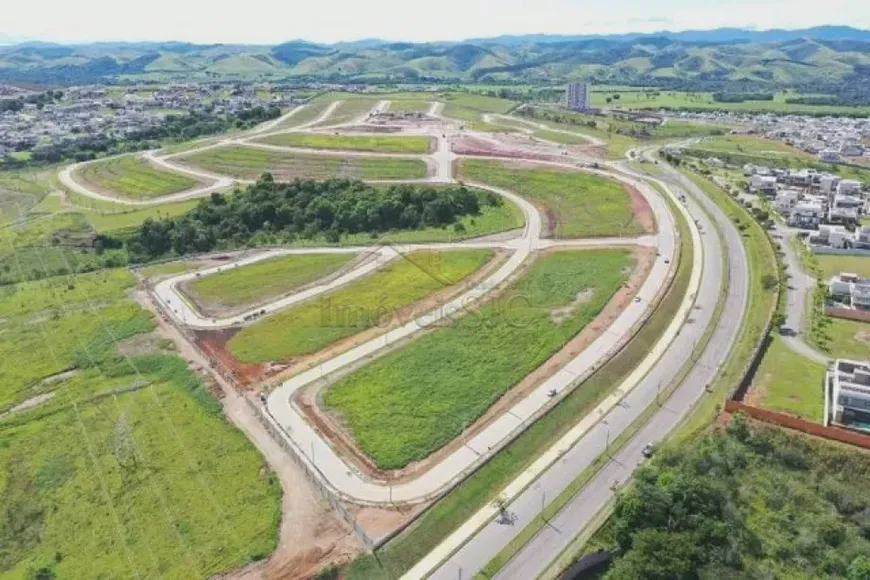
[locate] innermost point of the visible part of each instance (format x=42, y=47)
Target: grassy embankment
x=759, y=308
x=373, y=143
x=123, y=447
x=250, y=163
x=408, y=404
x=130, y=176
x=482, y=487
x=363, y=304
x=575, y=204
x=260, y=281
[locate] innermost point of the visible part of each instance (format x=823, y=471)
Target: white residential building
x=577, y=97
x=806, y=215
x=849, y=384
x=851, y=290
x=764, y=184
x=849, y=187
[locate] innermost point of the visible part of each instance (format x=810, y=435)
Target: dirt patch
x=150, y=343
x=378, y=522
x=560, y=315
x=214, y=344
x=863, y=336
x=344, y=443
x=641, y=209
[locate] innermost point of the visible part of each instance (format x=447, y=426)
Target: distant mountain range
x=815, y=57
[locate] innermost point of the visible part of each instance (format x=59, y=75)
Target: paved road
x=342, y=477
x=579, y=512
x=354, y=486
x=800, y=290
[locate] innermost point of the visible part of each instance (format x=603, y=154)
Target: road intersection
x=483, y=537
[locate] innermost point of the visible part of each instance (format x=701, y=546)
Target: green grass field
x=132, y=177
x=250, y=163
x=634, y=99
x=410, y=106
x=576, y=204
x=752, y=146
x=483, y=486
x=309, y=113
x=131, y=449
x=257, y=282
x=374, y=143
x=789, y=383
x=849, y=339
x=19, y=192
x=470, y=108
x=833, y=265
x=408, y=404
x=351, y=109
x=368, y=302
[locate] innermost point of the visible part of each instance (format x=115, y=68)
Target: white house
x=849, y=187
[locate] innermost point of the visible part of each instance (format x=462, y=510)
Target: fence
x=848, y=313
x=798, y=424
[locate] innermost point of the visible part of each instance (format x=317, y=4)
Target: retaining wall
x=798, y=424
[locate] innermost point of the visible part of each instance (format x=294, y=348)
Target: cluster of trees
x=174, y=127
x=723, y=97
x=746, y=502
x=273, y=212
x=40, y=100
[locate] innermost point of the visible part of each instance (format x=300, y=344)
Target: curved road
x=535, y=557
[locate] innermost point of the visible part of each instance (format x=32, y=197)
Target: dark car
x=648, y=450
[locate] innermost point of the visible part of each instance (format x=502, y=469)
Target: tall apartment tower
x=577, y=96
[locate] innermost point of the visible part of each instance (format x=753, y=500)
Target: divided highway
x=535, y=557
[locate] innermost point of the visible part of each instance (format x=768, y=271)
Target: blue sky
x=273, y=21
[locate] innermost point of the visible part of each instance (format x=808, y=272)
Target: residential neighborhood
x=99, y=111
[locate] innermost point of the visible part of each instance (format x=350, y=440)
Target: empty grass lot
x=250, y=163
x=162, y=483
x=310, y=112
x=361, y=305
x=412, y=106
x=576, y=204
x=471, y=108
x=406, y=405
x=132, y=177
x=754, y=146
x=849, y=339
x=373, y=143
x=790, y=383
x=351, y=109
x=257, y=282
x=832, y=265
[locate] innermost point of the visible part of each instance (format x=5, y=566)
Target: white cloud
x=272, y=21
